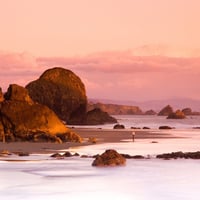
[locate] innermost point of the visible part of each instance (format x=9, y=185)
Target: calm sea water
x=74, y=178
x=153, y=121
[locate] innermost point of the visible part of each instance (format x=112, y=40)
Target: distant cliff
x=114, y=109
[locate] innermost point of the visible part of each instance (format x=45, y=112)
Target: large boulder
x=166, y=111
x=176, y=115
x=24, y=120
x=63, y=92
x=97, y=116
x=109, y=158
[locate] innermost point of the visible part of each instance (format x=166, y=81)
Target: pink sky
x=122, y=49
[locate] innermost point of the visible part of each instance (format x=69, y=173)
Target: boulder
x=119, y=126
x=165, y=127
x=109, y=158
x=166, y=111
x=150, y=112
x=63, y=92
x=187, y=111
x=176, y=115
x=97, y=116
x=24, y=120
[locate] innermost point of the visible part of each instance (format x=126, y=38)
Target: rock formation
x=150, y=112
x=109, y=158
x=63, y=92
x=187, y=111
x=176, y=115
x=1, y=95
x=180, y=154
x=97, y=116
x=24, y=120
x=118, y=126
x=114, y=109
x=166, y=111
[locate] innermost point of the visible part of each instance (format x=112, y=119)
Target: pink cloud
x=112, y=75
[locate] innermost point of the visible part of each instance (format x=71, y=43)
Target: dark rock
x=97, y=116
x=145, y=127
x=23, y=154
x=187, y=111
x=109, y=158
x=166, y=111
x=56, y=155
x=165, y=127
x=119, y=126
x=197, y=127
x=154, y=142
x=67, y=154
x=1, y=95
x=180, y=154
x=138, y=157
x=76, y=154
x=150, y=112
x=133, y=127
x=176, y=115
x=62, y=91
x=24, y=120
x=84, y=156
x=114, y=109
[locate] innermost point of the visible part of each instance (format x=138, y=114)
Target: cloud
x=112, y=75
x=122, y=62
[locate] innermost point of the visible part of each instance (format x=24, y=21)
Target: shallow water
x=42, y=177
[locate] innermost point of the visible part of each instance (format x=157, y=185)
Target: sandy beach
x=101, y=136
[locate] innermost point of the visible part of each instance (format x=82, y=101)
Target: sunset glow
x=124, y=50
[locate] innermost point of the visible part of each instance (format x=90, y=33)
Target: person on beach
x=133, y=136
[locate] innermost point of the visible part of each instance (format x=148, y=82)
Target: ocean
x=148, y=179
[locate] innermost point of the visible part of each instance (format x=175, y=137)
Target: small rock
x=119, y=126
x=109, y=158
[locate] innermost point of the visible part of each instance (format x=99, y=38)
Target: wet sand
x=101, y=136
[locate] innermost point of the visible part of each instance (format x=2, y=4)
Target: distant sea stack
x=63, y=92
x=114, y=109
x=166, y=111
x=176, y=115
x=21, y=119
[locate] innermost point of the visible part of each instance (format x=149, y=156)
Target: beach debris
x=109, y=158
x=119, y=126
x=180, y=154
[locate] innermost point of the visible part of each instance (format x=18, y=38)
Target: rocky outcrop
x=114, y=109
x=176, y=115
x=166, y=111
x=150, y=112
x=187, y=111
x=180, y=154
x=1, y=95
x=109, y=158
x=119, y=126
x=63, y=92
x=24, y=120
x=165, y=127
x=97, y=116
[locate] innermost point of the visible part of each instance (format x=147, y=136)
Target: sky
x=135, y=50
